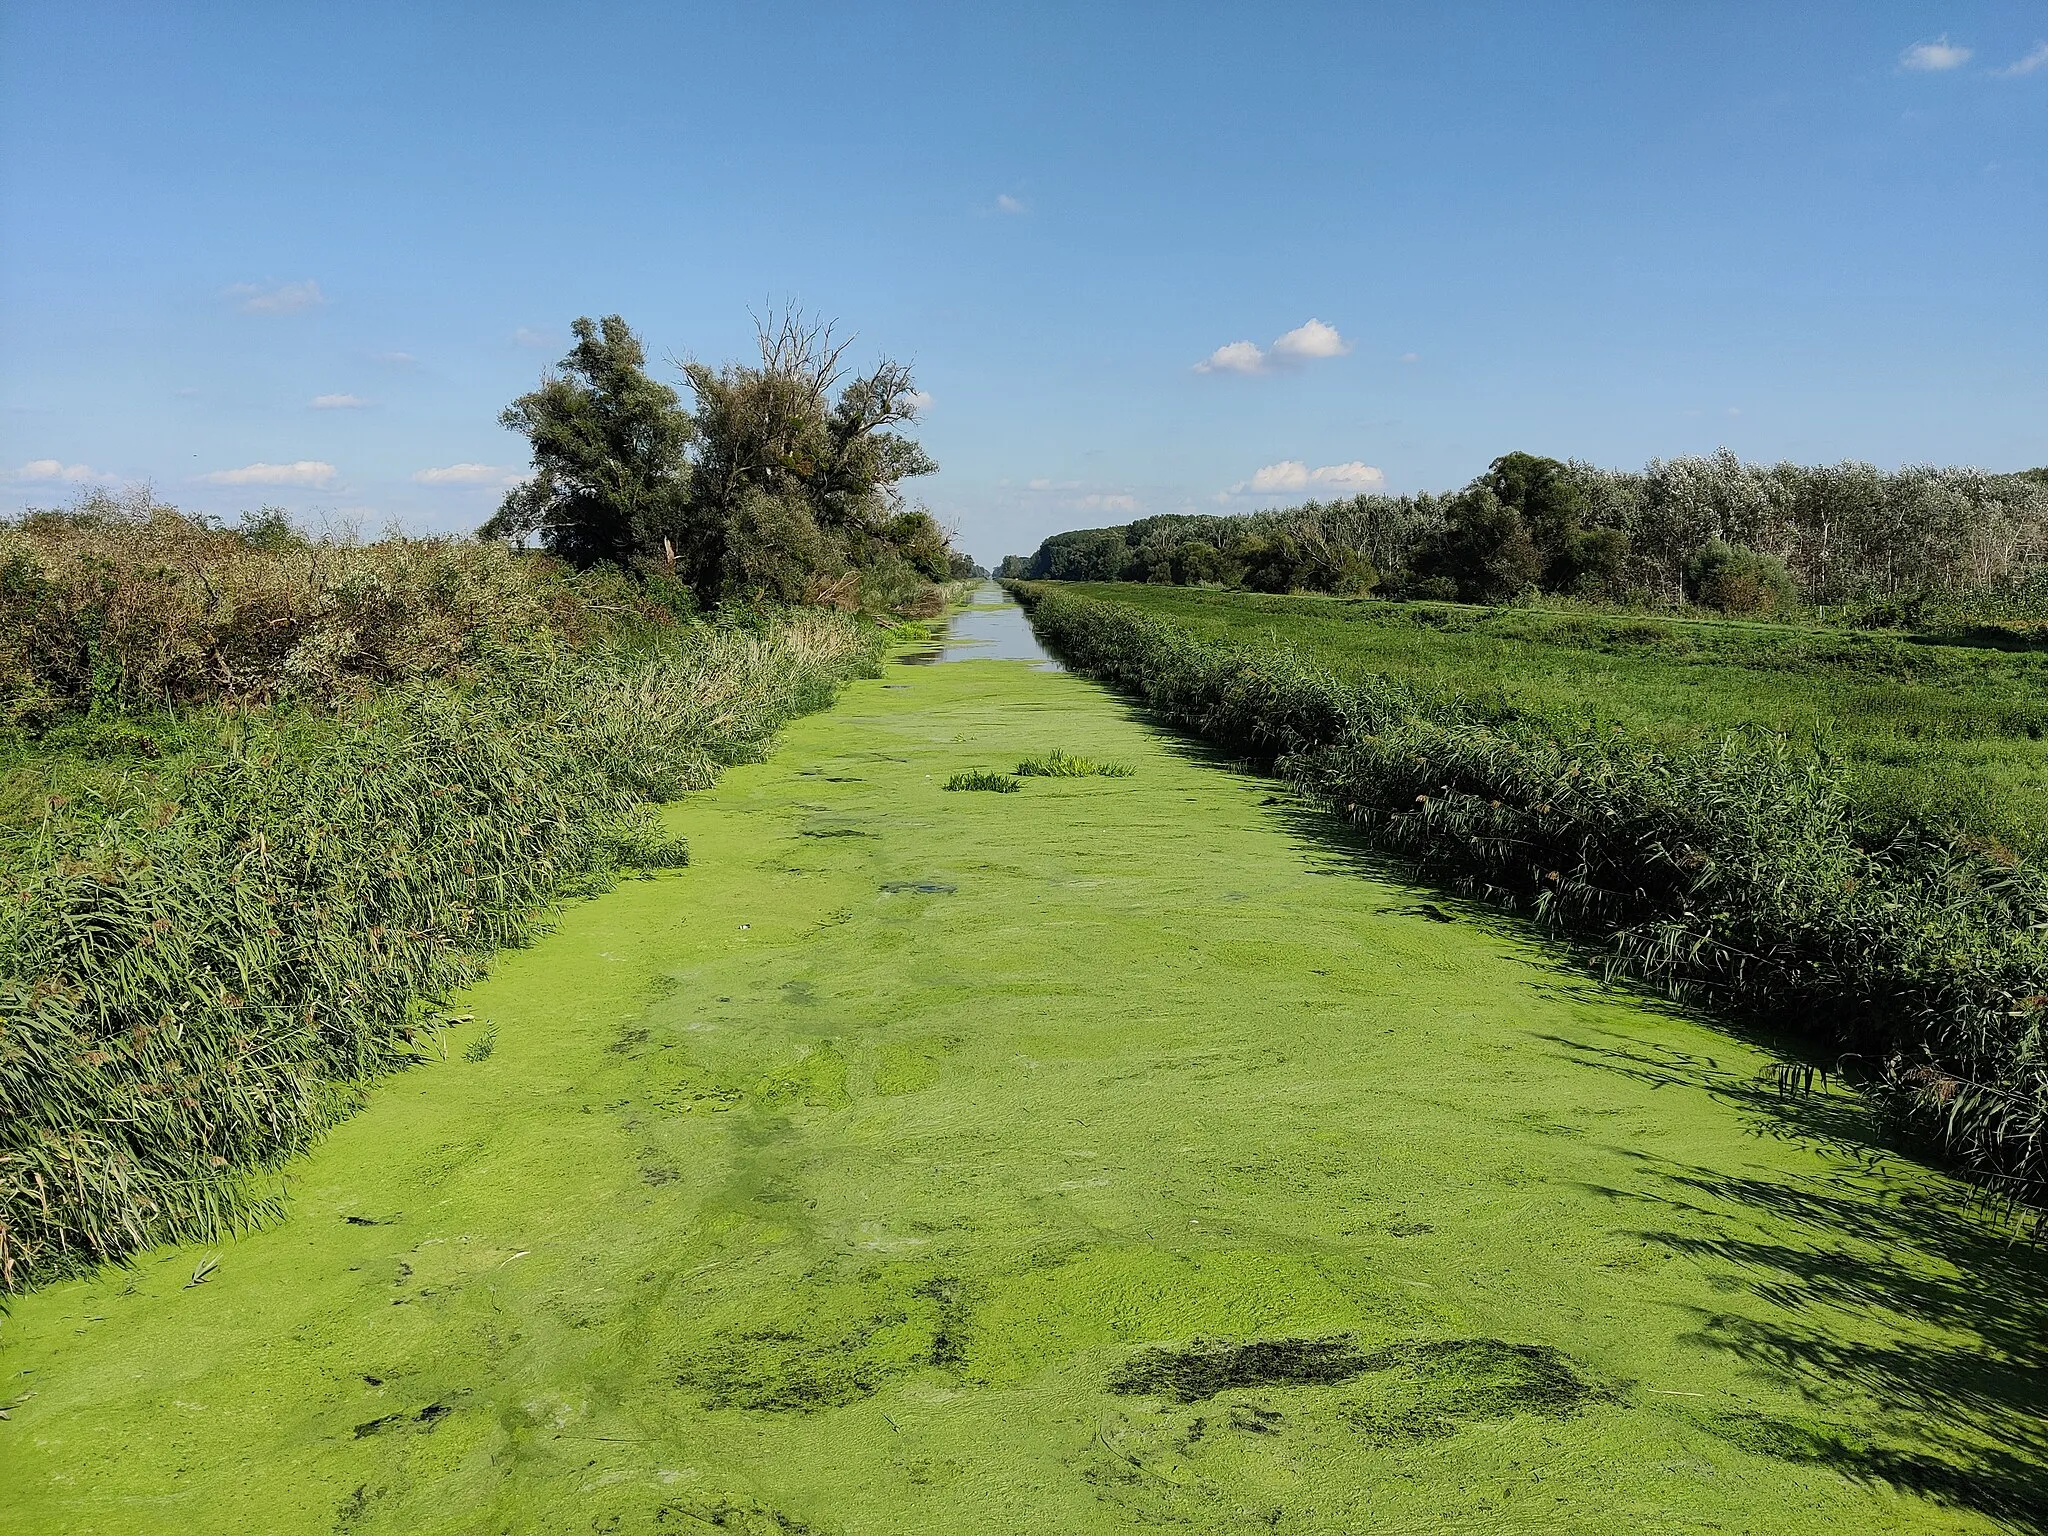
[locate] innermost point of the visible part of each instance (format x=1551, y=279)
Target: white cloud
x=2026, y=65
x=284, y=299
x=921, y=400
x=302, y=472
x=57, y=472
x=339, y=402
x=1236, y=357
x=1938, y=55
x=1052, y=485
x=526, y=336
x=468, y=474
x=1310, y=339
x=1292, y=476
x=397, y=359
x=1304, y=344
x=1116, y=503
x=1410, y=357
x=1008, y=204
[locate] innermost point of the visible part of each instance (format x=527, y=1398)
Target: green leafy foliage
x=1735, y=580
x=1958, y=544
x=780, y=484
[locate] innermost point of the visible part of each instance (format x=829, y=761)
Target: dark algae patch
x=1204, y=1368
x=1436, y=1386
x=884, y=1191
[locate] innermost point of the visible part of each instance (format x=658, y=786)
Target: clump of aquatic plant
x=1736, y=872
x=483, y=1045
x=1059, y=765
x=975, y=778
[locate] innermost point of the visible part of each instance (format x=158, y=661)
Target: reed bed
x=1736, y=872
x=205, y=961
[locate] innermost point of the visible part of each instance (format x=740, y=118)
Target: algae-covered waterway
x=1114, y=1154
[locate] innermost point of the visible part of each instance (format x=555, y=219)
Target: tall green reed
x=202, y=971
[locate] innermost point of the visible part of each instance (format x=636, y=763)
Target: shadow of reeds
x=1872, y=1283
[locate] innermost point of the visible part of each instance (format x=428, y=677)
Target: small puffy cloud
x=1008, y=204
x=1306, y=343
x=2027, y=63
x=468, y=474
x=1052, y=485
x=338, y=402
x=308, y=472
x=284, y=299
x=1293, y=477
x=920, y=400
x=1235, y=357
x=57, y=472
x=1935, y=56
x=1311, y=339
x=526, y=336
x=1410, y=357
x=1111, y=503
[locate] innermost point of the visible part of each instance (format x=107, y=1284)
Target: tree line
x=781, y=482
x=1742, y=538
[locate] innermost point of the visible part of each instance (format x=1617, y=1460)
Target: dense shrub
x=201, y=966
x=1732, y=579
x=126, y=604
x=1736, y=871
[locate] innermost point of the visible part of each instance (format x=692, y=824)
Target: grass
x=840, y=1185
x=1060, y=765
x=976, y=778
x=1944, y=736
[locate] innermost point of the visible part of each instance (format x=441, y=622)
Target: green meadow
x=1936, y=734
x=1127, y=1150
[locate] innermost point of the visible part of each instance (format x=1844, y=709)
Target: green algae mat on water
x=1121, y=1152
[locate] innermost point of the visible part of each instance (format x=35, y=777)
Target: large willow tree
x=783, y=482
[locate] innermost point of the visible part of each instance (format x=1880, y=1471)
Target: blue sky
x=303, y=254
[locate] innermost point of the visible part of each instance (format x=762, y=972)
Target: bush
x=1738, y=581
x=126, y=604
x=1735, y=872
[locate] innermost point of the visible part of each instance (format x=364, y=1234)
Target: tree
x=611, y=473
x=775, y=431
x=1483, y=550
x=1552, y=506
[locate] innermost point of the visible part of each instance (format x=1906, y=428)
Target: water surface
x=993, y=628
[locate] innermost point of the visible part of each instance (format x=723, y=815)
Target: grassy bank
x=251, y=838
x=1113, y=1154
x=1946, y=738
x=1739, y=870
